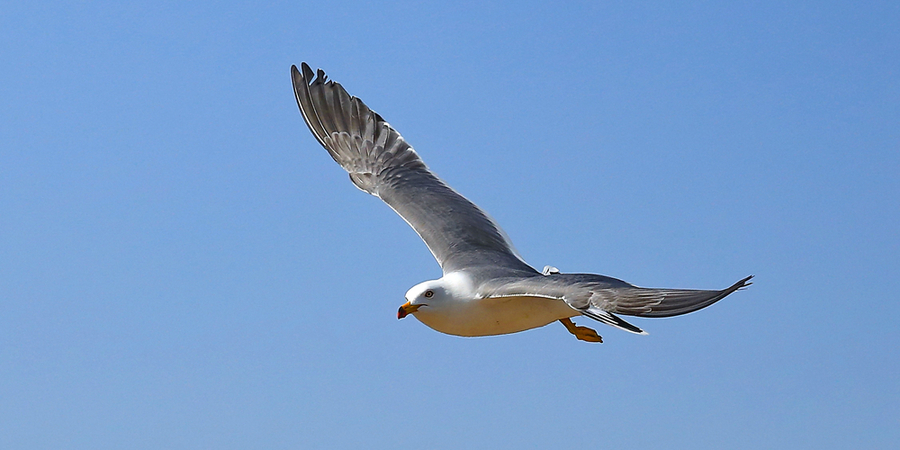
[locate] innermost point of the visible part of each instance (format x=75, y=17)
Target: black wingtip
x=297, y=77
x=744, y=283
x=306, y=74
x=320, y=75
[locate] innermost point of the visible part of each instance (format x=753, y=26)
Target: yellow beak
x=407, y=309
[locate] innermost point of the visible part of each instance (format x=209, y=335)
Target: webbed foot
x=582, y=333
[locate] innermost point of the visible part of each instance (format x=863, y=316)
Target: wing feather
x=380, y=162
x=650, y=302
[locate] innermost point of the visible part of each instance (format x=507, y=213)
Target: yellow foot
x=582, y=333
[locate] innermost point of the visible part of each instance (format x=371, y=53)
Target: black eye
x=429, y=293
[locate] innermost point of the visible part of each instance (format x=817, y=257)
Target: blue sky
x=182, y=266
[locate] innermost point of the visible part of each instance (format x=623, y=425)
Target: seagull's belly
x=488, y=317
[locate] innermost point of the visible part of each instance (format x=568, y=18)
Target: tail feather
x=611, y=319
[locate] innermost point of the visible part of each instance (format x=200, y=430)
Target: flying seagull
x=486, y=288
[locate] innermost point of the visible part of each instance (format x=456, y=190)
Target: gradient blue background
x=182, y=266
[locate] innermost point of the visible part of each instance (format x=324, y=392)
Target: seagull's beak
x=407, y=309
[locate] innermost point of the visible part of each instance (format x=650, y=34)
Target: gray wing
x=600, y=297
x=382, y=163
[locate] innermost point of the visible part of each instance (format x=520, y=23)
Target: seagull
x=487, y=288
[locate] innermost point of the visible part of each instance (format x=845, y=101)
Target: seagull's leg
x=582, y=333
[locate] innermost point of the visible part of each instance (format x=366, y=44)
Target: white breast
x=492, y=316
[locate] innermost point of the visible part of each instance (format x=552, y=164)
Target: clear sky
x=182, y=266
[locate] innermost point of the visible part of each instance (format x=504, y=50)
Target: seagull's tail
x=611, y=319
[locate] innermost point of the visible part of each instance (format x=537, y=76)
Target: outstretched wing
x=382, y=163
x=651, y=302
x=600, y=297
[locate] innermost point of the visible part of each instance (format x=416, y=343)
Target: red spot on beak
x=406, y=310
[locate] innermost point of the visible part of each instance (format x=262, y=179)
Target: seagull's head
x=428, y=294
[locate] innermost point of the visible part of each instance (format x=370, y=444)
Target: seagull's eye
x=429, y=293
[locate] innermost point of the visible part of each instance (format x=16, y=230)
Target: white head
x=434, y=295
x=427, y=294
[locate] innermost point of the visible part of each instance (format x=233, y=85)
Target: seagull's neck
x=459, y=285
